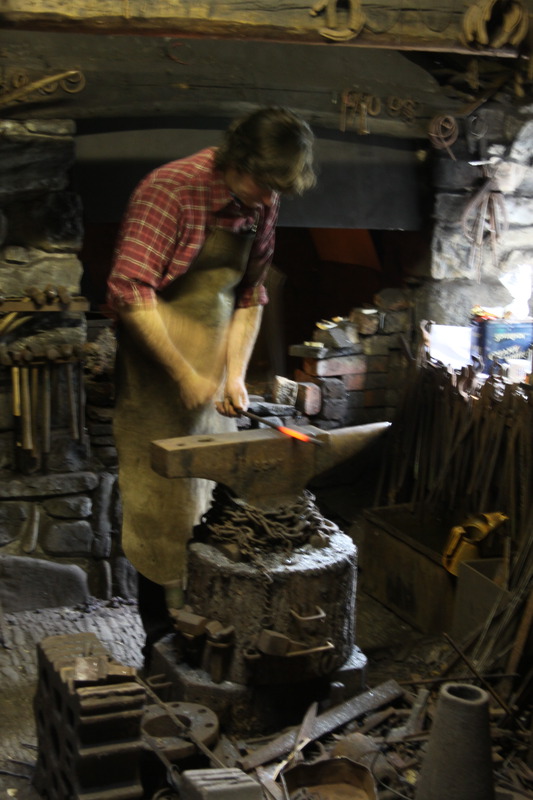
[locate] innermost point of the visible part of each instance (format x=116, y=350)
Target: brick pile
x=353, y=369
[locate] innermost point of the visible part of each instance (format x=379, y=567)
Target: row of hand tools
x=47, y=390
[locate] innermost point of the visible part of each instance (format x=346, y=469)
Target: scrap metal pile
x=105, y=733
x=461, y=449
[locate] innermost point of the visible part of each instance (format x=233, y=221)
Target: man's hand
x=235, y=399
x=195, y=390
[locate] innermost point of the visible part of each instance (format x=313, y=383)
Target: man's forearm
x=147, y=327
x=241, y=340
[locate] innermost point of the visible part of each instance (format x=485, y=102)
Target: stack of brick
x=354, y=368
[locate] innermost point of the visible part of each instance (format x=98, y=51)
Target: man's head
x=273, y=147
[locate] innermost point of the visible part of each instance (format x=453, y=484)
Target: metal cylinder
x=458, y=760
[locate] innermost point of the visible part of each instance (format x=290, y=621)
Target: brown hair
x=275, y=146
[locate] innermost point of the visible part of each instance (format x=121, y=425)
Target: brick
x=375, y=397
x=377, y=380
x=377, y=363
x=354, y=382
x=331, y=367
x=309, y=398
x=398, y=360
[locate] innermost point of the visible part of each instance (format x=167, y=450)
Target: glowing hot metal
x=300, y=435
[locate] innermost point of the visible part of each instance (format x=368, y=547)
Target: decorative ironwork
x=20, y=86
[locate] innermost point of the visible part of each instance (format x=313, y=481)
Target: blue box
x=501, y=339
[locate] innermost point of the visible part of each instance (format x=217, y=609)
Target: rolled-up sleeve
x=145, y=246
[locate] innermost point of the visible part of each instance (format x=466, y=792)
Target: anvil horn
x=262, y=467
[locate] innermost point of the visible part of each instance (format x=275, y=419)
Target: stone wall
x=59, y=503
x=460, y=275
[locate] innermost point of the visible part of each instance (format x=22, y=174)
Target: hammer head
x=262, y=467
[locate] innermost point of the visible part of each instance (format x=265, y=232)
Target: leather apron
x=159, y=513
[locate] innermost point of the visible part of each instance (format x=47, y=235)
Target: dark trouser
x=154, y=615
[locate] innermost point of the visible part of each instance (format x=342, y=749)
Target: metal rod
x=281, y=428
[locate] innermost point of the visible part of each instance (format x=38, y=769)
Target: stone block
x=68, y=507
x=334, y=409
x=219, y=784
x=332, y=337
x=450, y=302
x=51, y=223
x=284, y=390
x=13, y=515
x=27, y=584
x=396, y=321
x=449, y=208
x=365, y=320
x=319, y=350
x=47, y=485
x=519, y=211
x=334, y=367
x=393, y=299
x=356, y=399
x=332, y=388
x=36, y=157
x=68, y=539
x=377, y=345
x=21, y=267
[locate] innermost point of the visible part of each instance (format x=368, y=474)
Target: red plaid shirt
x=167, y=220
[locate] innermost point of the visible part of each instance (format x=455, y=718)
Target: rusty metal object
x=331, y=779
x=262, y=468
x=181, y=725
x=302, y=738
x=327, y=722
x=88, y=711
x=159, y=729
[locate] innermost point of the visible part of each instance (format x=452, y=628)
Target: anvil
x=262, y=467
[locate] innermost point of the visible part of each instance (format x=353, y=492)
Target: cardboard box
x=478, y=596
x=501, y=339
x=400, y=564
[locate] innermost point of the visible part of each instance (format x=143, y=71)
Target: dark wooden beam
x=389, y=24
x=340, y=88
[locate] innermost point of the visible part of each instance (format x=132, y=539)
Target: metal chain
x=255, y=531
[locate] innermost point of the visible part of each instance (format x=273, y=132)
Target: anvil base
x=255, y=710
